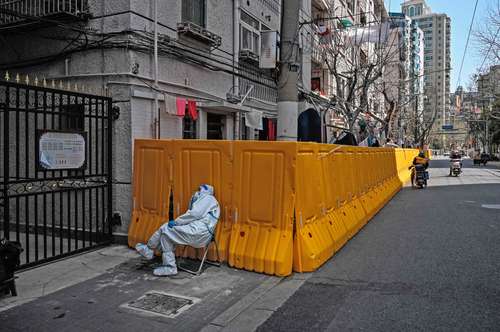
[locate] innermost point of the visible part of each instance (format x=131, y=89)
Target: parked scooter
x=455, y=167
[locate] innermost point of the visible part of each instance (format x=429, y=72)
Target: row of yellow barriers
x=285, y=205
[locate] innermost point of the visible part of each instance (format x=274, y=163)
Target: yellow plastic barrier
x=284, y=205
x=152, y=186
x=197, y=162
x=263, y=201
x=313, y=242
x=332, y=181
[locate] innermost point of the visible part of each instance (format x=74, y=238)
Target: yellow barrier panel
x=263, y=202
x=284, y=205
x=195, y=163
x=313, y=243
x=151, y=189
x=331, y=193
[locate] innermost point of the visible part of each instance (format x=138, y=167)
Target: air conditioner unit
x=194, y=31
x=248, y=55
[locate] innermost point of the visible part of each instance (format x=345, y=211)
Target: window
x=418, y=11
x=250, y=29
x=350, y=5
x=194, y=11
x=215, y=126
x=412, y=11
x=363, y=19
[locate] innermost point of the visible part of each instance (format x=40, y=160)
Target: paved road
x=430, y=260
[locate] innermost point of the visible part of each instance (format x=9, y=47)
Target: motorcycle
x=421, y=176
x=455, y=167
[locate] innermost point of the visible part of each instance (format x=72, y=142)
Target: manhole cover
x=163, y=304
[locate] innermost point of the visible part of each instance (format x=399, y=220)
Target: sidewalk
x=99, y=291
x=495, y=164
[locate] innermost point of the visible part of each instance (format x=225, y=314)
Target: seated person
x=194, y=228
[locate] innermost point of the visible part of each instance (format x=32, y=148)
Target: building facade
x=186, y=69
x=403, y=77
x=208, y=56
x=437, y=64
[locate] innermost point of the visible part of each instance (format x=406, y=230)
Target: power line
x=467, y=43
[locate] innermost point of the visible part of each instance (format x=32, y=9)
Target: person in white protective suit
x=194, y=228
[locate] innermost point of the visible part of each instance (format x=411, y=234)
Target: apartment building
x=403, y=77
x=437, y=62
x=322, y=23
x=488, y=85
x=209, y=56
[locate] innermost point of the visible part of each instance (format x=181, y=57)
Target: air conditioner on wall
x=248, y=55
x=194, y=31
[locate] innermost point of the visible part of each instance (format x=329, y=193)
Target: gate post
x=6, y=168
x=110, y=169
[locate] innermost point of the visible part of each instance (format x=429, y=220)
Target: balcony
x=29, y=13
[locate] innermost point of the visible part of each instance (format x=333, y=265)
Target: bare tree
x=356, y=68
x=487, y=35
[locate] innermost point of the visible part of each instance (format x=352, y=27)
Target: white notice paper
x=59, y=150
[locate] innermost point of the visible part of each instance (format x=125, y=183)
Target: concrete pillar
x=228, y=127
x=201, y=125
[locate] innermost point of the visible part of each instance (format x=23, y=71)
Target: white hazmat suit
x=194, y=228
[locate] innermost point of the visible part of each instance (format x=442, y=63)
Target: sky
x=460, y=12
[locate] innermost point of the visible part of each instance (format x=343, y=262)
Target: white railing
x=13, y=11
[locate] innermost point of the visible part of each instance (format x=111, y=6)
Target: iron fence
x=55, y=173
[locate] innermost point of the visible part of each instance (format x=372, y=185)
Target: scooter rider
x=418, y=160
x=455, y=156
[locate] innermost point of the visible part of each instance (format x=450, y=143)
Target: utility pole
x=288, y=100
x=156, y=112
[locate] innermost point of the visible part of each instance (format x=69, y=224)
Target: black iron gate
x=55, y=170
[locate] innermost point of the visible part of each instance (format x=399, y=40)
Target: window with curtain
x=194, y=11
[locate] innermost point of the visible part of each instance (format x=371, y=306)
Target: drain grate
x=163, y=304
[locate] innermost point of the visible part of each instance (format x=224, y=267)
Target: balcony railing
x=16, y=11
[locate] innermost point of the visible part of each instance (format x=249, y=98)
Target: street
x=430, y=260
x=213, y=166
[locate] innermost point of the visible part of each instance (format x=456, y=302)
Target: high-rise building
x=404, y=75
x=437, y=59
